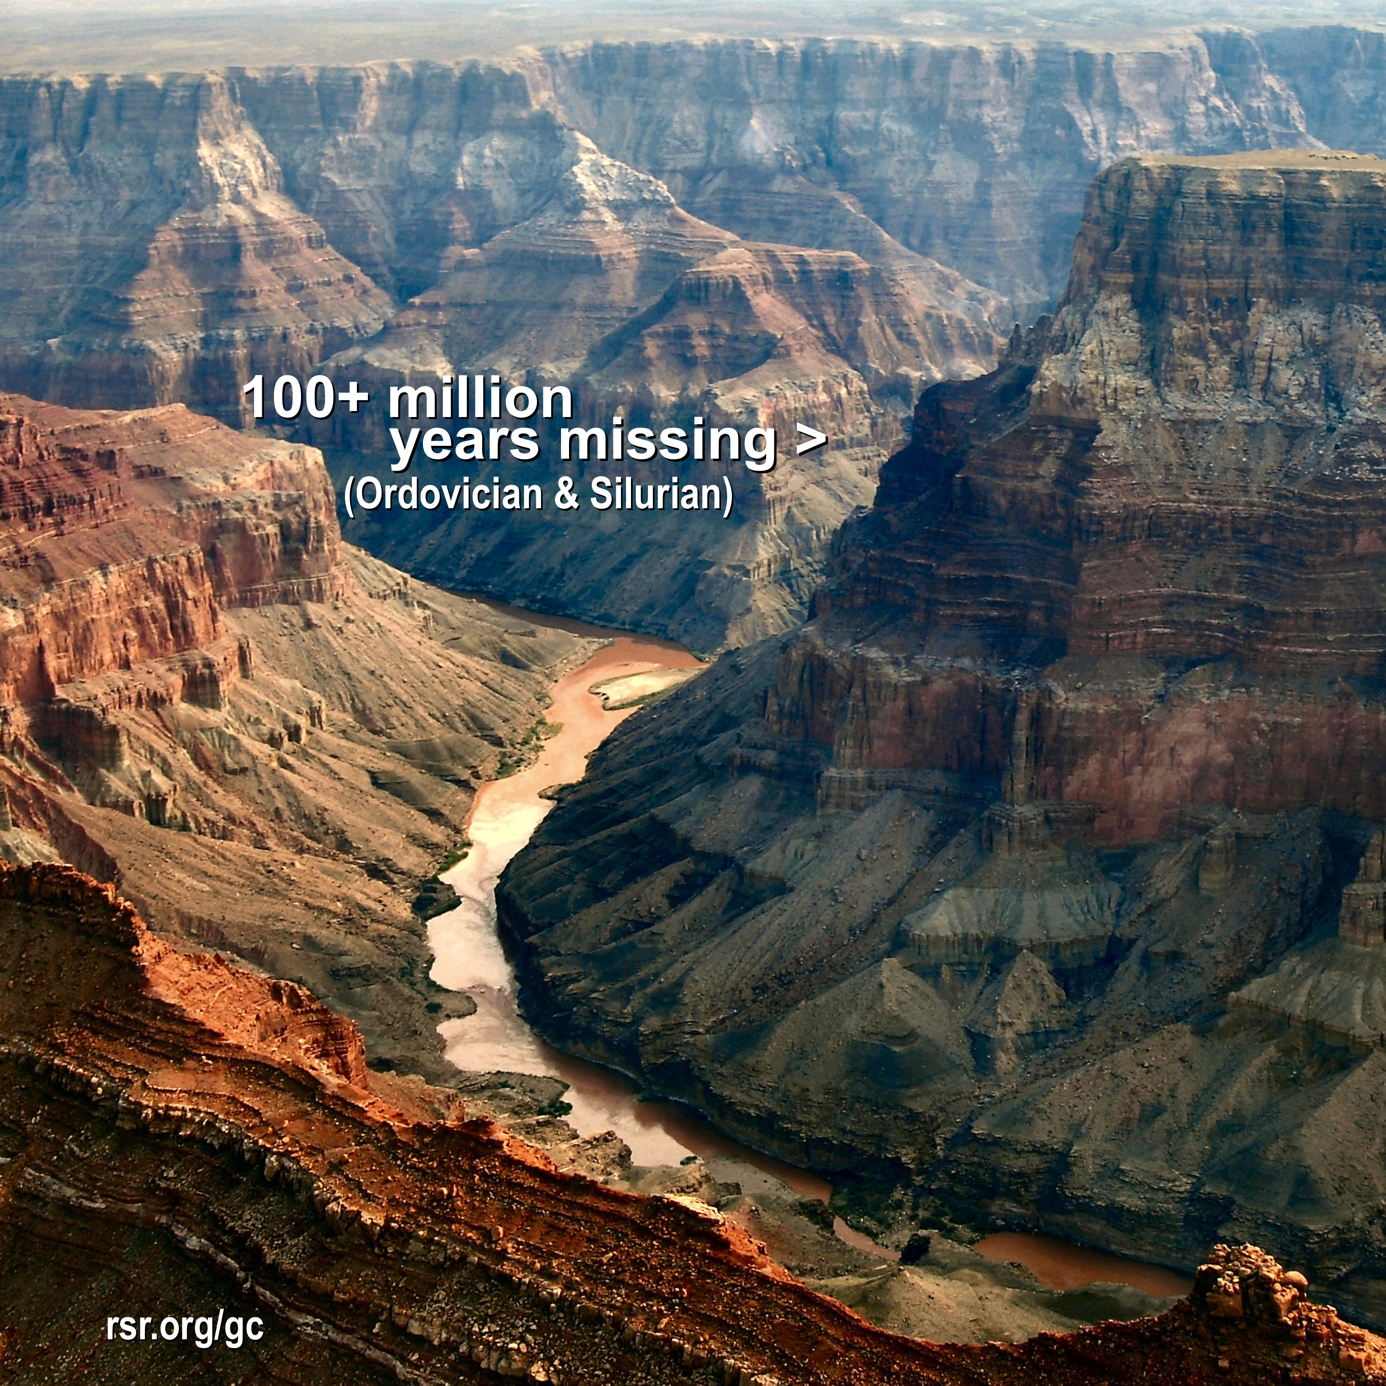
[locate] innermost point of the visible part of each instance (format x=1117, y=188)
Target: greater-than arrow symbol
x=815, y=439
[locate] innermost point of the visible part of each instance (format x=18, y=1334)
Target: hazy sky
x=152, y=35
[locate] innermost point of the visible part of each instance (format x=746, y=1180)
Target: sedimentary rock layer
x=975, y=155
x=155, y=255
x=181, y=1138
x=1059, y=817
x=606, y=214
x=269, y=737
x=124, y=538
x=1195, y=481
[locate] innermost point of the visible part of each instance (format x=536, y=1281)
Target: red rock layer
x=123, y=537
x=178, y=1134
x=1141, y=566
x=204, y=694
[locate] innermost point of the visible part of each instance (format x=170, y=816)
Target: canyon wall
x=1059, y=817
x=182, y=1138
x=975, y=154
x=614, y=216
x=156, y=257
x=122, y=542
x=269, y=737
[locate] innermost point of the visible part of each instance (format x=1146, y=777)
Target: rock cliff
x=1060, y=817
x=200, y=214
x=186, y=1144
x=606, y=213
x=269, y=737
x=155, y=255
x=976, y=154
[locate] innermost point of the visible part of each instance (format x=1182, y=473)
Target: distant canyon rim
x=750, y=230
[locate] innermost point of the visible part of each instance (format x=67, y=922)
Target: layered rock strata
x=270, y=738
x=975, y=154
x=181, y=1138
x=608, y=214
x=1049, y=819
x=155, y=254
x=656, y=318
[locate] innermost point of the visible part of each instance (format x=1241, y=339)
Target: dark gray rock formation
x=1037, y=880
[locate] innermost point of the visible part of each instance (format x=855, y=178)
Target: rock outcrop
x=124, y=540
x=155, y=256
x=267, y=736
x=615, y=215
x=187, y=1145
x=1050, y=817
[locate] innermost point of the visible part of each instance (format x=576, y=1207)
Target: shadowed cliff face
x=614, y=216
x=1050, y=818
x=1184, y=509
x=181, y=1138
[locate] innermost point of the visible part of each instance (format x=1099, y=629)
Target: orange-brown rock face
x=181, y=1138
x=123, y=537
x=1051, y=815
x=753, y=317
x=203, y=692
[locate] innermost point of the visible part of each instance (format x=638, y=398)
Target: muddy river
x=469, y=957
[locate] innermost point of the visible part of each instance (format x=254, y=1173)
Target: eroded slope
x=1020, y=882
x=269, y=737
x=181, y=1137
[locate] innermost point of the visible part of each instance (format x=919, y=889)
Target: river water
x=468, y=956
x=467, y=949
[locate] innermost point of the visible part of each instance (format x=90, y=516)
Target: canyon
x=1019, y=864
x=754, y=232
x=1037, y=879
x=270, y=740
x=273, y=743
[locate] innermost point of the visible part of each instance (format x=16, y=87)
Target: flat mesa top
x=1275, y=158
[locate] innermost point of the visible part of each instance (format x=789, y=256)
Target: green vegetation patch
x=452, y=856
